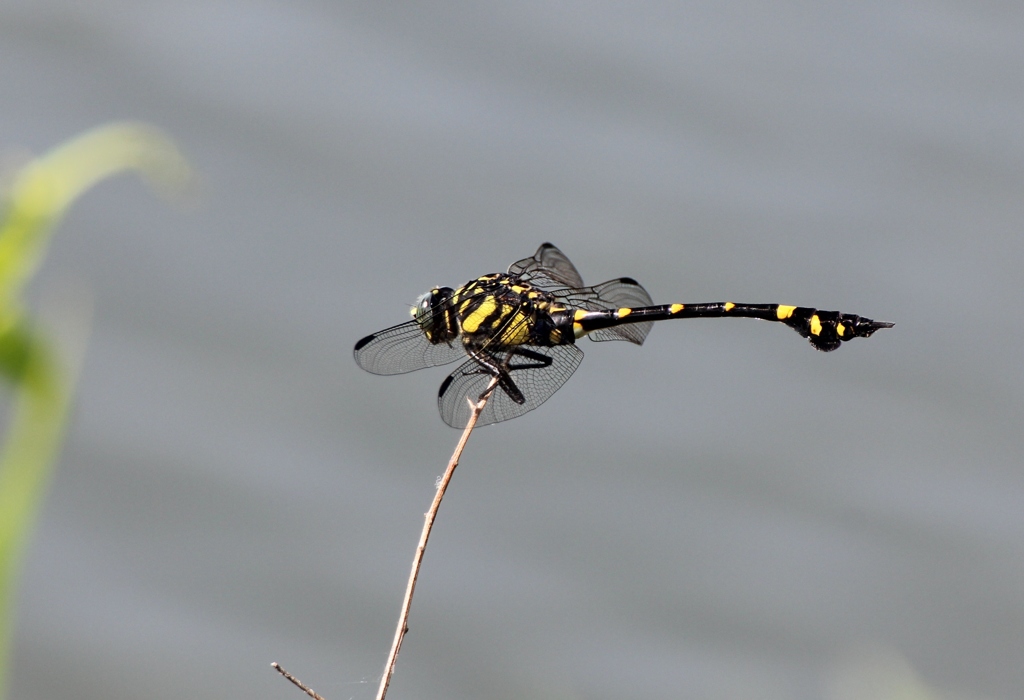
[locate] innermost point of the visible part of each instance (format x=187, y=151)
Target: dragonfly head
x=431, y=312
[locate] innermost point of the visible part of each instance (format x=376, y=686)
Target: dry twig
x=308, y=691
x=428, y=524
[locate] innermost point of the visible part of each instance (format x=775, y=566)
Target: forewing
x=470, y=380
x=624, y=292
x=548, y=269
x=404, y=348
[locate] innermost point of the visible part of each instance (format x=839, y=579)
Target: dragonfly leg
x=540, y=360
x=491, y=365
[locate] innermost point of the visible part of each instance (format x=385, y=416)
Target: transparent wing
x=548, y=269
x=536, y=380
x=404, y=348
x=624, y=292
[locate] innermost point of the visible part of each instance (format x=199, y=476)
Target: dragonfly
x=522, y=327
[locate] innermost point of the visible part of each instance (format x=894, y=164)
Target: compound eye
x=421, y=311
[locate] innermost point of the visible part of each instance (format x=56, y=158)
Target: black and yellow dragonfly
x=521, y=327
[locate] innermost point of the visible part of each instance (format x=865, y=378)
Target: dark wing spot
x=365, y=341
x=444, y=385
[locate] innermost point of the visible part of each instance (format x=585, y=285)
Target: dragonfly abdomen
x=826, y=330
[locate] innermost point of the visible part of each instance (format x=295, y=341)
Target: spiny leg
x=540, y=359
x=491, y=365
x=503, y=370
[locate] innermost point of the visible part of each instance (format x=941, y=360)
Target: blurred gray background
x=723, y=513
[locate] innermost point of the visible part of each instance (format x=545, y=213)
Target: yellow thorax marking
x=784, y=312
x=516, y=329
x=675, y=308
x=815, y=325
x=471, y=324
x=840, y=329
x=729, y=306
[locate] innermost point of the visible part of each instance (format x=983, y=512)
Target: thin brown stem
x=428, y=523
x=308, y=691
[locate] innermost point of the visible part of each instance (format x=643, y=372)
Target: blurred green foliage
x=39, y=379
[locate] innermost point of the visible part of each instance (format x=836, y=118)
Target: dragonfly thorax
x=503, y=311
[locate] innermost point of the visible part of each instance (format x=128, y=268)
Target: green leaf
x=42, y=387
